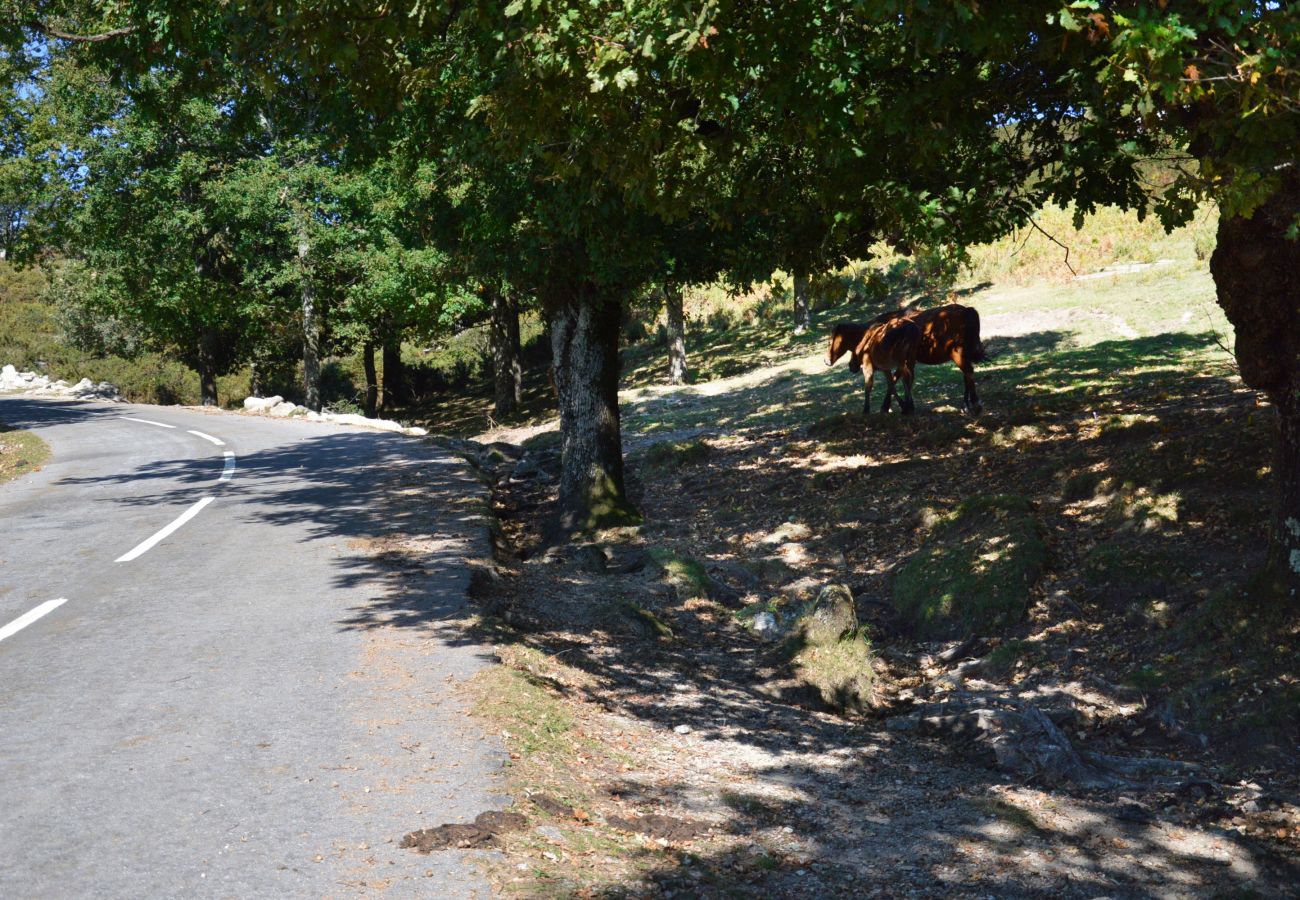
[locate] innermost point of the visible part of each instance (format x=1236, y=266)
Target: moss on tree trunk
x=584, y=343
x=1256, y=269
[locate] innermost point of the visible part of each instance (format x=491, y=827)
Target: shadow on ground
x=1136, y=457
x=408, y=513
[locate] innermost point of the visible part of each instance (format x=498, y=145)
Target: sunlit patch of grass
x=21, y=452
x=685, y=575
x=536, y=720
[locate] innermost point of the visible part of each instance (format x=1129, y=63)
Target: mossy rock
x=685, y=575
x=830, y=655
x=974, y=571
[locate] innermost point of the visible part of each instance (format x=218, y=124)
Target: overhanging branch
x=99, y=38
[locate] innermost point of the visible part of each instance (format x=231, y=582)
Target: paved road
x=253, y=705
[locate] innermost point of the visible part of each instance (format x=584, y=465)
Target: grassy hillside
x=1115, y=425
x=1085, y=548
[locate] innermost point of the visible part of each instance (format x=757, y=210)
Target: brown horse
x=949, y=332
x=889, y=346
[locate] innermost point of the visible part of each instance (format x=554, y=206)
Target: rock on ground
x=34, y=385
x=280, y=408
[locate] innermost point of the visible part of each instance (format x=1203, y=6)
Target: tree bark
x=207, y=368
x=310, y=328
x=372, y=380
x=507, y=370
x=584, y=344
x=802, y=311
x=394, y=386
x=254, y=379
x=676, y=333
x=1256, y=272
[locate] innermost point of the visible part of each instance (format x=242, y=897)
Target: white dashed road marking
x=228, y=472
x=207, y=437
x=149, y=544
x=149, y=422
x=26, y=619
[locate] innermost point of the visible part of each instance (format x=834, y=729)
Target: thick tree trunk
x=207, y=368
x=507, y=370
x=1256, y=270
x=802, y=311
x=676, y=333
x=394, y=389
x=372, y=380
x=254, y=379
x=310, y=329
x=584, y=344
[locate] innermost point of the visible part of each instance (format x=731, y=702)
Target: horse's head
x=843, y=339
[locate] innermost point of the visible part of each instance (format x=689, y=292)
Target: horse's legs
x=908, y=373
x=970, y=399
x=869, y=377
x=891, y=377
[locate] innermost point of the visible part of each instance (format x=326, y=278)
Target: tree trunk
x=584, y=344
x=802, y=312
x=310, y=329
x=1256, y=272
x=676, y=333
x=254, y=379
x=372, y=380
x=507, y=371
x=394, y=390
x=207, y=368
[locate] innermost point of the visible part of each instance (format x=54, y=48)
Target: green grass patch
x=974, y=571
x=677, y=454
x=20, y=452
x=685, y=575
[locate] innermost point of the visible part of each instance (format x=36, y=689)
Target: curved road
x=250, y=704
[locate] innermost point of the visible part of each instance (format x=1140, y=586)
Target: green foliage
x=975, y=570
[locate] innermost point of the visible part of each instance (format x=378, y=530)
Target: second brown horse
x=890, y=346
x=950, y=332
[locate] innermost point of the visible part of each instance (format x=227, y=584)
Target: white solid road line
x=207, y=437
x=148, y=422
x=23, y=621
x=228, y=472
x=148, y=545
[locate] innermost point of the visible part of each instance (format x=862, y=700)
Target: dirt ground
x=645, y=693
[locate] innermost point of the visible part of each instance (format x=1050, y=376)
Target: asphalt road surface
x=209, y=684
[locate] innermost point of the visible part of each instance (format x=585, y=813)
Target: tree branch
x=50, y=31
x=1039, y=228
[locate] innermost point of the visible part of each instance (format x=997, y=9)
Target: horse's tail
x=971, y=342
